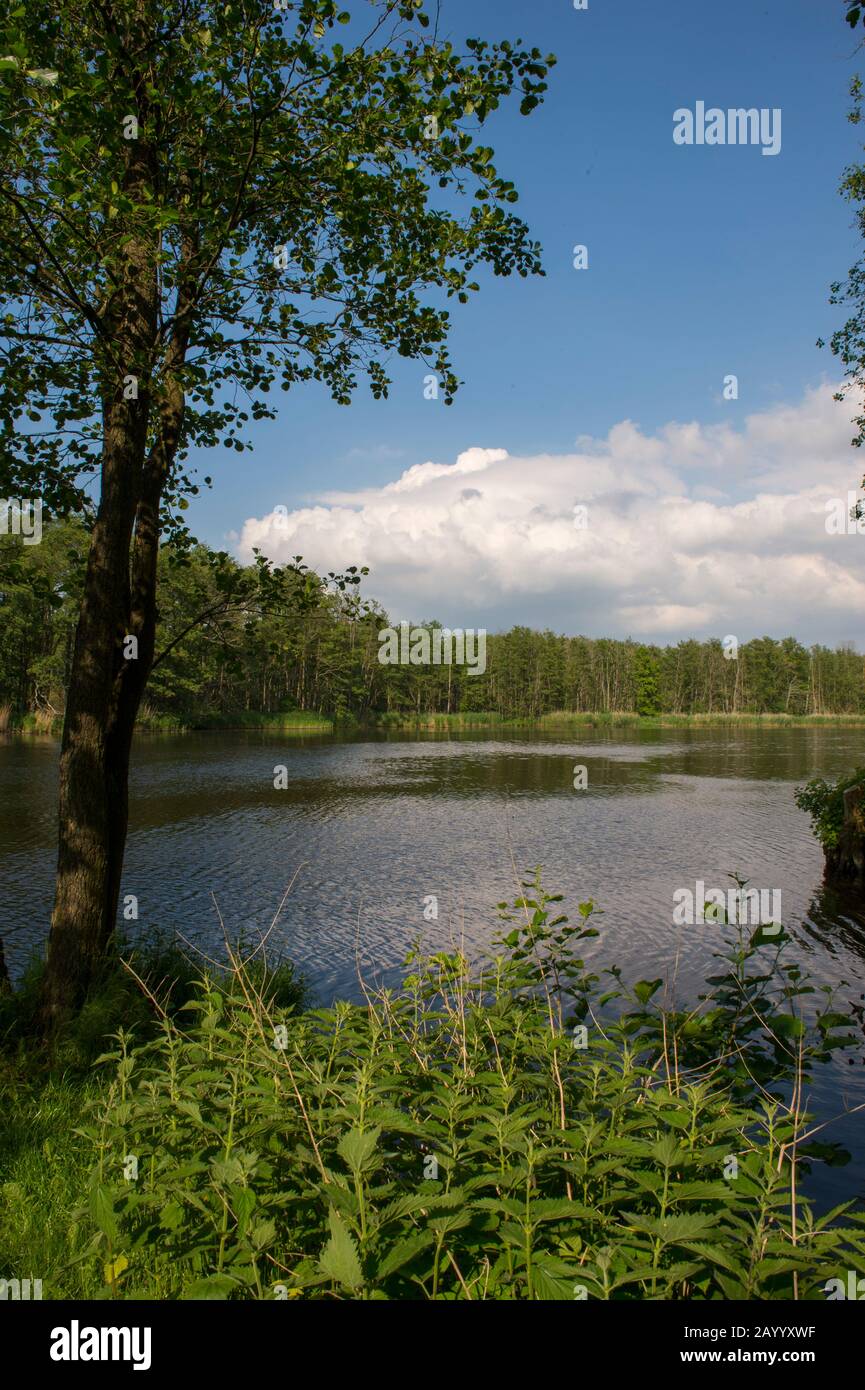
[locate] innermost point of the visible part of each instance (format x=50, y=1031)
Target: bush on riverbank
x=152, y=977
x=44, y=1098
x=837, y=811
x=824, y=803
x=459, y=1138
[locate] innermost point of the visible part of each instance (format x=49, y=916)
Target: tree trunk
x=105, y=694
x=105, y=686
x=846, y=860
x=93, y=768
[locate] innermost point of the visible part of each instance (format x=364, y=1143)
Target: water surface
x=369, y=827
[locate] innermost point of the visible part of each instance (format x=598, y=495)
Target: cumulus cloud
x=695, y=530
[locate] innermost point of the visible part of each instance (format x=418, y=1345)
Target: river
x=369, y=829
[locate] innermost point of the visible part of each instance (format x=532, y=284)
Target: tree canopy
x=281, y=186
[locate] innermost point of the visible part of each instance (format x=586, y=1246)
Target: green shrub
x=162, y=977
x=454, y=1139
x=824, y=802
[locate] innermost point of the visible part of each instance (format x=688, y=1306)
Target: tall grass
x=43, y=722
x=470, y=719
x=293, y=721
x=151, y=720
x=717, y=719
x=556, y=719
x=592, y=720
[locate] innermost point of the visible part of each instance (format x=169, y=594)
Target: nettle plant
x=761, y=1017
x=446, y=1140
x=539, y=951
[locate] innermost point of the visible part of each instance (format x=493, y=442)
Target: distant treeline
x=238, y=639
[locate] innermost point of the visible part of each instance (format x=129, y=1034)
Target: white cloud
x=695, y=530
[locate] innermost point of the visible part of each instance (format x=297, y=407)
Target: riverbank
x=152, y=722
x=566, y=719
x=476, y=1139
x=309, y=722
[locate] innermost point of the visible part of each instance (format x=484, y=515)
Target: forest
x=238, y=640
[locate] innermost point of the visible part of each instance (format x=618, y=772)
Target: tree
x=647, y=681
x=848, y=342
x=202, y=201
x=40, y=592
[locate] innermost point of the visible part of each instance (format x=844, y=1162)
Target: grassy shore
x=47, y=1099
x=309, y=722
x=292, y=722
x=716, y=720
x=569, y=719
x=488, y=1131
x=151, y=721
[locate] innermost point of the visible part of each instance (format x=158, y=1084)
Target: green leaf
x=644, y=989
x=671, y=1230
x=834, y=1020
x=551, y=1289
x=402, y=1252
x=358, y=1148
x=339, y=1259
x=556, y=1209
x=102, y=1211
x=262, y=1234
x=216, y=1287
x=243, y=1202
x=787, y=1026
x=171, y=1216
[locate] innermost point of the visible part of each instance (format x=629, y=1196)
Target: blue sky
x=703, y=261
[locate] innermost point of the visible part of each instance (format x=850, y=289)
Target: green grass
x=45, y=1099
x=291, y=722
x=295, y=721
x=471, y=719
x=575, y=719
x=43, y=1172
x=304, y=722
x=154, y=966
x=40, y=724
x=559, y=718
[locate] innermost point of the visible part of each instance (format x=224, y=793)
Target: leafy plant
x=824, y=802
x=454, y=1139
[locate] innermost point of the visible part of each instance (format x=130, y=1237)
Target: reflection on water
x=373, y=826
